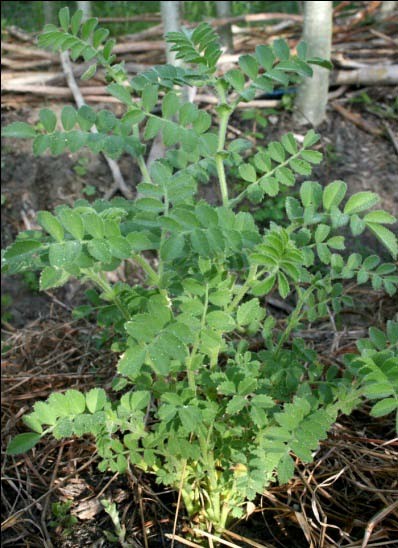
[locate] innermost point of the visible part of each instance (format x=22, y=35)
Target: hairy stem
x=100, y=281
x=219, y=159
x=244, y=288
x=191, y=357
x=224, y=113
x=144, y=170
x=152, y=274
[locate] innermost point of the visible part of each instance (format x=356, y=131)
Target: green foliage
x=199, y=47
x=120, y=530
x=377, y=369
x=195, y=407
x=62, y=517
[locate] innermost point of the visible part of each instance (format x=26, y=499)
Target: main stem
x=225, y=113
x=102, y=283
x=244, y=288
x=191, y=357
x=294, y=318
x=219, y=160
x=152, y=275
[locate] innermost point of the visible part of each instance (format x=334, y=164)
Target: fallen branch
x=24, y=65
x=41, y=83
x=74, y=88
x=383, y=75
x=255, y=18
x=20, y=34
x=144, y=17
x=52, y=91
x=29, y=78
x=393, y=136
x=24, y=51
x=133, y=47
x=359, y=16
x=384, y=37
x=157, y=30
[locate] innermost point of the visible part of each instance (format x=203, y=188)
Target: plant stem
x=140, y=159
x=295, y=317
x=244, y=288
x=163, y=232
x=234, y=201
x=106, y=287
x=190, y=359
x=144, y=170
x=152, y=275
x=213, y=490
x=222, y=180
x=224, y=113
x=222, y=131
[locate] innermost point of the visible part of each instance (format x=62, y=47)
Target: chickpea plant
x=192, y=403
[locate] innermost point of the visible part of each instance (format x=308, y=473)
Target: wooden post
x=387, y=8
x=171, y=23
x=85, y=6
x=224, y=10
x=312, y=96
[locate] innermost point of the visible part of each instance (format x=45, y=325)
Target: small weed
x=89, y=190
x=120, y=530
x=81, y=167
x=31, y=280
x=6, y=302
x=62, y=518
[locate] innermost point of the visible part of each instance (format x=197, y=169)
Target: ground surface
x=46, y=349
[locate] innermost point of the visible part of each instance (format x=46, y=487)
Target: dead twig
x=393, y=136
x=357, y=120
x=183, y=540
x=375, y=520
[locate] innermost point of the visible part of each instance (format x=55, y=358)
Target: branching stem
x=152, y=274
x=100, y=281
x=295, y=317
x=191, y=357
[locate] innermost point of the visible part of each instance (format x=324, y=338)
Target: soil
x=30, y=184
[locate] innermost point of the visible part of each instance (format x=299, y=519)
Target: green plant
x=377, y=366
x=6, y=302
x=120, y=530
x=81, y=167
x=62, y=517
x=31, y=280
x=197, y=407
x=379, y=109
x=259, y=120
x=89, y=190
